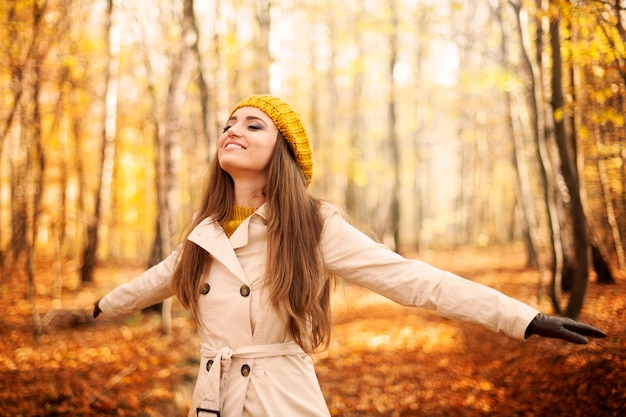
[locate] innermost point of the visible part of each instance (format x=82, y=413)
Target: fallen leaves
x=384, y=359
x=448, y=368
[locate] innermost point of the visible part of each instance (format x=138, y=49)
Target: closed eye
x=258, y=125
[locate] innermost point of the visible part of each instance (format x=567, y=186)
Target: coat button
x=245, y=370
x=205, y=288
x=244, y=290
x=209, y=364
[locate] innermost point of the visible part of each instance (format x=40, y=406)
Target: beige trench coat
x=262, y=372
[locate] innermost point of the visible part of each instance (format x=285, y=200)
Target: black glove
x=96, y=309
x=562, y=328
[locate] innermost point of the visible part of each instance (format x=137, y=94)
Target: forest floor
x=384, y=360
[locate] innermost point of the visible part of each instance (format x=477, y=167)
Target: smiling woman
x=257, y=269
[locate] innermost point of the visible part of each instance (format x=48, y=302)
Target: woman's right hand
x=96, y=309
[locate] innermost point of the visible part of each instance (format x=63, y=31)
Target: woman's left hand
x=562, y=328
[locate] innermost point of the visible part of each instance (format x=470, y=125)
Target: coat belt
x=214, y=383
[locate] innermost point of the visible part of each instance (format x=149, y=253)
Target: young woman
x=256, y=271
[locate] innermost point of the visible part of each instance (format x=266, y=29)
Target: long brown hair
x=295, y=275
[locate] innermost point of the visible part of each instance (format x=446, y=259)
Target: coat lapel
x=210, y=236
x=240, y=237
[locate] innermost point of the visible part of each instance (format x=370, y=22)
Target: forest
x=450, y=130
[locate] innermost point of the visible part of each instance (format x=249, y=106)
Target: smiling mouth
x=233, y=146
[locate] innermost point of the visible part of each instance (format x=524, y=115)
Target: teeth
x=233, y=145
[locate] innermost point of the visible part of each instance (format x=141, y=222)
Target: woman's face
x=247, y=143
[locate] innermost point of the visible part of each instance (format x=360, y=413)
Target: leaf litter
x=384, y=359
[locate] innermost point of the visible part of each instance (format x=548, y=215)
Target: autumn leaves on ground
x=385, y=360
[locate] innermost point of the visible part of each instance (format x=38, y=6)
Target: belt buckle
x=206, y=410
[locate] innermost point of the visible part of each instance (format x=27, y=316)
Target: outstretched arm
x=360, y=260
x=149, y=288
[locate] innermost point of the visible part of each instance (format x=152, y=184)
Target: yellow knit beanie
x=289, y=123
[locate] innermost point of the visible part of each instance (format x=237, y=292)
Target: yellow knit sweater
x=239, y=215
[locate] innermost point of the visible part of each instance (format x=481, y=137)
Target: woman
x=256, y=271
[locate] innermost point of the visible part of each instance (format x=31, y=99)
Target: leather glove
x=562, y=328
x=96, y=309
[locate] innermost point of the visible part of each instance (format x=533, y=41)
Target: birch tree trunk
x=356, y=125
x=261, y=82
x=523, y=188
x=35, y=165
x=167, y=156
x=97, y=225
x=323, y=114
x=18, y=65
x=394, y=207
x=14, y=85
x=206, y=101
x=535, y=101
x=419, y=193
x=33, y=180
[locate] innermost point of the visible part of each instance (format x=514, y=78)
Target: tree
x=261, y=81
x=536, y=114
x=523, y=187
x=207, y=104
x=33, y=161
x=97, y=224
x=392, y=138
x=168, y=148
x=355, y=130
x=580, y=235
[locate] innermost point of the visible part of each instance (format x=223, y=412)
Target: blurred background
x=483, y=136
x=435, y=123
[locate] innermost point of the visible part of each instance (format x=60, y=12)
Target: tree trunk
x=608, y=204
x=17, y=244
x=394, y=209
x=599, y=251
x=523, y=188
x=35, y=166
x=356, y=126
x=261, y=82
x=77, y=164
x=59, y=226
x=324, y=114
x=167, y=151
x=34, y=189
x=15, y=85
x=535, y=100
x=579, y=224
x=206, y=102
x=97, y=225
x=603, y=271
x=418, y=195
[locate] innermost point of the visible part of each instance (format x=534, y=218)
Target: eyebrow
x=249, y=118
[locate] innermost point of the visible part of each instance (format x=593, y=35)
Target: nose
x=233, y=130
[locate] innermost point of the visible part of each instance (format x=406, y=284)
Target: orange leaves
x=106, y=368
x=384, y=360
